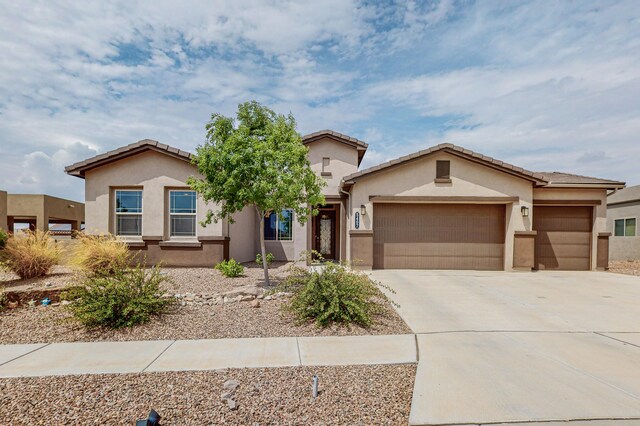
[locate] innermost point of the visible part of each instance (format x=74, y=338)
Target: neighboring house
x=623, y=213
x=3, y=210
x=38, y=211
x=442, y=208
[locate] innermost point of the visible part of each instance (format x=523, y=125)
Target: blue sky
x=546, y=85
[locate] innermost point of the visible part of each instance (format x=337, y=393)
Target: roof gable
x=359, y=145
x=458, y=151
x=79, y=169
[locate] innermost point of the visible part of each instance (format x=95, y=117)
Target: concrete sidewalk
x=57, y=359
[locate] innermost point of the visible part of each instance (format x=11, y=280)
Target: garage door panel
x=428, y=236
x=563, y=240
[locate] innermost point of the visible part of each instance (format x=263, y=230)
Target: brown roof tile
x=559, y=178
x=456, y=150
x=79, y=168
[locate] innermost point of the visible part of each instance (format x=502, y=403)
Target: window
x=280, y=229
x=182, y=213
x=443, y=169
x=625, y=228
x=325, y=164
x=128, y=213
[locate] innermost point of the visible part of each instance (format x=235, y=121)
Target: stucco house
x=442, y=208
x=623, y=213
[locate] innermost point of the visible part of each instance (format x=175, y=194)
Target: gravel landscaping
x=627, y=267
x=352, y=395
x=188, y=319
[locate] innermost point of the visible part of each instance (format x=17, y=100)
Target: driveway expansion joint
x=25, y=354
x=159, y=355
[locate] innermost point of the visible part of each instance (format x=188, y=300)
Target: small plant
x=269, y=256
x=3, y=238
x=31, y=254
x=127, y=298
x=100, y=255
x=3, y=300
x=333, y=294
x=230, y=268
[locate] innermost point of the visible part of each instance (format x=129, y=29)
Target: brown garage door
x=438, y=236
x=563, y=241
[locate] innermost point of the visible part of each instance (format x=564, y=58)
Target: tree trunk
x=265, y=267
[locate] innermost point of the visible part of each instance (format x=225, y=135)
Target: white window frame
x=195, y=216
x=115, y=209
x=624, y=227
x=278, y=228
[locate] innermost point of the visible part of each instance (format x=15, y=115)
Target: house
x=623, y=213
x=3, y=210
x=442, y=208
x=39, y=211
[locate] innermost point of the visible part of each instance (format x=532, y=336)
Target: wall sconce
x=363, y=210
x=525, y=211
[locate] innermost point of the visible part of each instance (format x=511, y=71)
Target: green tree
x=257, y=160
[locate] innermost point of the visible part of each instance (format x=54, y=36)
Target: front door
x=324, y=241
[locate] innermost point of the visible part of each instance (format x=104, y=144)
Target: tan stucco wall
x=152, y=172
x=3, y=210
x=600, y=211
x=468, y=179
x=624, y=248
x=289, y=250
x=243, y=237
x=45, y=208
x=343, y=161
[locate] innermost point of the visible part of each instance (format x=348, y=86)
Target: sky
x=545, y=85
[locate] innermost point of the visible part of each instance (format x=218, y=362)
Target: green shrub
x=31, y=254
x=3, y=238
x=230, y=268
x=100, y=255
x=3, y=299
x=124, y=299
x=269, y=256
x=331, y=294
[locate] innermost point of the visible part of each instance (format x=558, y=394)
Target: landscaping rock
x=232, y=404
x=255, y=303
x=227, y=395
x=246, y=298
x=231, y=384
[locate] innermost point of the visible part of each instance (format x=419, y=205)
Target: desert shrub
x=100, y=255
x=230, y=268
x=269, y=256
x=30, y=254
x=3, y=238
x=333, y=293
x=127, y=298
x=3, y=299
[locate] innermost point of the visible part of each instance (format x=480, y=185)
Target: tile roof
x=625, y=195
x=456, y=150
x=559, y=178
x=79, y=168
x=324, y=133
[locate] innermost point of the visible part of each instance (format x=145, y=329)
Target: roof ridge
x=510, y=168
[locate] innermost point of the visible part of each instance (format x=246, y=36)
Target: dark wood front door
x=324, y=233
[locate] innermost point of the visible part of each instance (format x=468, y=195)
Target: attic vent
x=443, y=169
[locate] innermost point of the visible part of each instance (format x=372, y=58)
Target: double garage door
x=471, y=236
x=438, y=236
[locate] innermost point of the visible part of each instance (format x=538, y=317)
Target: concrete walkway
x=56, y=359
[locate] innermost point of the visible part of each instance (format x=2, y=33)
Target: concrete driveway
x=499, y=347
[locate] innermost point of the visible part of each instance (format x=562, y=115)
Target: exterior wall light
x=525, y=211
x=363, y=210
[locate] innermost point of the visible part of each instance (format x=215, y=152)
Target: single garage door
x=563, y=241
x=438, y=236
